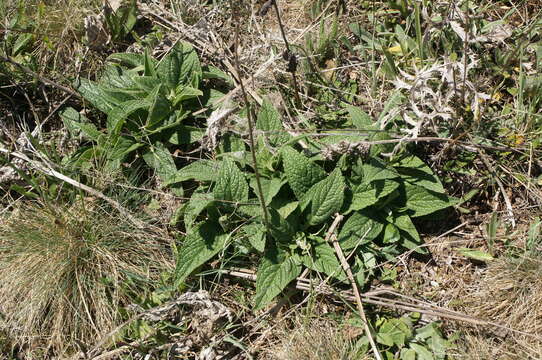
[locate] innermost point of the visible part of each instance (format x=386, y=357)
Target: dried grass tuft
x=510, y=293
x=321, y=339
x=66, y=272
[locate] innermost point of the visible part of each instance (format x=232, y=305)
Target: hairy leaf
x=159, y=158
x=201, y=170
x=324, y=260
x=301, y=173
x=365, y=195
x=200, y=245
x=231, y=184
x=422, y=201
x=360, y=228
x=415, y=171
x=269, y=120
x=326, y=197
x=277, y=269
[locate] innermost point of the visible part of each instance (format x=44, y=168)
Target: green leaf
x=159, y=108
x=476, y=254
x=231, y=184
x=301, y=173
x=148, y=64
x=416, y=172
x=360, y=228
x=408, y=354
x=92, y=92
x=200, y=245
x=201, y=170
x=365, y=195
x=159, y=158
x=184, y=93
x=282, y=231
x=275, y=272
x=118, y=115
x=256, y=236
x=393, y=332
x=75, y=121
x=324, y=260
x=269, y=120
x=270, y=187
x=360, y=119
x=423, y=353
x=423, y=202
x=128, y=59
x=391, y=234
x=375, y=169
x=180, y=66
x=198, y=202
x=325, y=197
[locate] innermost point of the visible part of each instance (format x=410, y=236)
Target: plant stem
x=355, y=289
x=283, y=33
x=250, y=117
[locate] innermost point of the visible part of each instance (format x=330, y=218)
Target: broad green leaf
x=185, y=134
x=415, y=171
x=391, y=234
x=92, y=92
x=301, y=173
x=198, y=202
x=146, y=83
x=159, y=158
x=325, y=197
x=256, y=235
x=75, y=122
x=393, y=332
x=476, y=254
x=169, y=67
x=423, y=202
x=117, y=116
x=408, y=354
x=201, y=170
x=159, y=109
x=212, y=72
x=375, y=169
x=116, y=77
x=360, y=119
x=324, y=260
x=277, y=269
x=360, y=228
x=231, y=184
x=184, y=93
x=284, y=206
x=128, y=59
x=270, y=121
x=180, y=66
x=122, y=146
x=365, y=195
x=422, y=352
x=410, y=237
x=282, y=231
x=200, y=245
x=270, y=187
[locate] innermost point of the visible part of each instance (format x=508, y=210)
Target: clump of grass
x=510, y=293
x=64, y=274
x=318, y=339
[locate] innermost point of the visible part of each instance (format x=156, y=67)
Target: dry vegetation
x=92, y=242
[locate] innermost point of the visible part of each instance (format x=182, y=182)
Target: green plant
x=121, y=21
x=302, y=193
x=147, y=103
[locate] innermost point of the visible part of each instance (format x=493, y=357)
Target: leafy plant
x=302, y=193
x=147, y=103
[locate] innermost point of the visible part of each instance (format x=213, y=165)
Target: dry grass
x=316, y=339
x=64, y=272
x=510, y=293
